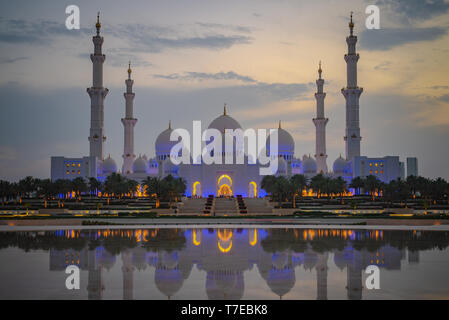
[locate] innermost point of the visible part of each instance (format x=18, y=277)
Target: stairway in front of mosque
x=193, y=206
x=258, y=206
x=225, y=206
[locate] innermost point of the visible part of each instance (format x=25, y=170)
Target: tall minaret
x=128, y=123
x=352, y=94
x=320, y=124
x=97, y=94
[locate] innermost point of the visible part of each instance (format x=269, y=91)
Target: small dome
x=339, y=165
x=309, y=165
x=109, y=165
x=140, y=165
x=163, y=144
x=286, y=144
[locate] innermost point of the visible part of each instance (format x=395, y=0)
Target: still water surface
x=224, y=264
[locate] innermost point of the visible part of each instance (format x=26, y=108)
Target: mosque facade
x=226, y=179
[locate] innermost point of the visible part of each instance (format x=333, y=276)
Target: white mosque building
x=227, y=179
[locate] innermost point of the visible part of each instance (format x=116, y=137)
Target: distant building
x=412, y=167
x=402, y=166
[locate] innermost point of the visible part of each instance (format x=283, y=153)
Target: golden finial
x=280, y=124
x=129, y=69
x=319, y=69
x=98, y=25
x=169, y=124
x=351, y=23
x=224, y=110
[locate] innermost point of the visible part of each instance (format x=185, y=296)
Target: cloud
x=12, y=60
x=383, y=66
x=271, y=91
x=18, y=31
x=385, y=39
x=415, y=9
x=219, y=26
x=201, y=76
x=142, y=38
x=444, y=98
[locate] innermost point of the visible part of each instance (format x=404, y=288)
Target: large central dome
x=224, y=122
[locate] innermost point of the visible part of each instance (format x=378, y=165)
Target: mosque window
x=79, y=165
x=79, y=172
x=370, y=164
x=371, y=172
x=73, y=164
x=376, y=164
x=68, y=165
x=73, y=171
x=67, y=172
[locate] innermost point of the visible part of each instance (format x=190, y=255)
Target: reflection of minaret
x=128, y=275
x=128, y=123
x=354, y=282
x=95, y=285
x=97, y=94
x=320, y=124
x=352, y=94
x=321, y=276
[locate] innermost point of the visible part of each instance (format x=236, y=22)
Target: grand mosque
x=228, y=179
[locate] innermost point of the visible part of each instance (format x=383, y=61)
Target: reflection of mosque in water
x=225, y=255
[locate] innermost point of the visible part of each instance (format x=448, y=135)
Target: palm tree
x=267, y=184
x=298, y=183
x=281, y=189
x=79, y=185
x=318, y=184
x=339, y=185
x=94, y=186
x=357, y=184
x=132, y=186
x=372, y=184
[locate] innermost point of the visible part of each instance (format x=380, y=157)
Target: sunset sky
x=189, y=57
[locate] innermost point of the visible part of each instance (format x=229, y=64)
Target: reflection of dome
x=339, y=260
x=279, y=260
x=109, y=165
x=310, y=260
x=339, y=165
x=224, y=284
x=163, y=143
x=106, y=259
x=281, y=281
x=169, y=259
x=140, y=165
x=309, y=165
x=286, y=144
x=168, y=281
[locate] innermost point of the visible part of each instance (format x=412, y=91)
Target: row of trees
x=412, y=187
x=284, y=189
x=287, y=189
x=115, y=185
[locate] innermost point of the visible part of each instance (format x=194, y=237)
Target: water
x=224, y=264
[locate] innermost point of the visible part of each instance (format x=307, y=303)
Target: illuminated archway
x=196, y=189
x=224, y=186
x=252, y=189
x=196, y=239
x=254, y=241
x=224, y=242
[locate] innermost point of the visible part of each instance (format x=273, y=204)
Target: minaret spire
x=224, y=110
x=352, y=94
x=320, y=125
x=128, y=123
x=97, y=95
